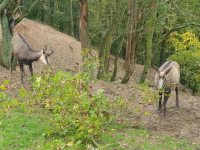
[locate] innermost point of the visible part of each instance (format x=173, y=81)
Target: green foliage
x=187, y=49
x=78, y=115
x=149, y=94
x=55, y=13
x=90, y=63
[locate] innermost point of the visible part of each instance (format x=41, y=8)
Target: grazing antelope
x=25, y=55
x=167, y=77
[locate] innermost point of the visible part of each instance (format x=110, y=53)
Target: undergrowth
x=78, y=116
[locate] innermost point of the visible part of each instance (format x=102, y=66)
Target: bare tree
x=83, y=26
x=131, y=42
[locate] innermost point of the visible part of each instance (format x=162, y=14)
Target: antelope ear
x=44, y=47
x=43, y=50
x=168, y=71
x=156, y=68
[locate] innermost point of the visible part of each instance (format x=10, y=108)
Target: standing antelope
x=26, y=55
x=167, y=77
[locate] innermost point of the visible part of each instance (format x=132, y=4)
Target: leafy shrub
x=187, y=49
x=79, y=116
x=149, y=94
x=5, y=103
x=78, y=113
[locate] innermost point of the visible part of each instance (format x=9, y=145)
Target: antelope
x=25, y=55
x=166, y=78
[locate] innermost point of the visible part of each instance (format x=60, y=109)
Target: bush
x=187, y=49
x=79, y=116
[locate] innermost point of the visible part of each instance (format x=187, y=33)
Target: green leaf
x=6, y=82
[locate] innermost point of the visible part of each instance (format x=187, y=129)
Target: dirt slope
x=182, y=123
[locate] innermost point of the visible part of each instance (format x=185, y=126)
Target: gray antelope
x=166, y=78
x=25, y=55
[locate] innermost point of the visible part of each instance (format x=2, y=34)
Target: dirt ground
x=182, y=123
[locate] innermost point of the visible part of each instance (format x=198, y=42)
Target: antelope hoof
x=24, y=74
x=159, y=110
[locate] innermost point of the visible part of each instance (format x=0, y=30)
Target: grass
x=19, y=130
x=128, y=138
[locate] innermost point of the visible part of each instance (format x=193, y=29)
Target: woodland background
x=144, y=32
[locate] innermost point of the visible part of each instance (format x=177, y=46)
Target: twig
x=95, y=142
x=198, y=63
x=163, y=2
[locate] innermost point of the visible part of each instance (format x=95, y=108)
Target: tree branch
x=163, y=2
x=198, y=63
x=177, y=28
x=11, y=16
x=27, y=12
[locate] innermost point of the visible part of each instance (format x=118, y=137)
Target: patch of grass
x=191, y=118
x=19, y=130
x=108, y=139
x=129, y=138
x=131, y=98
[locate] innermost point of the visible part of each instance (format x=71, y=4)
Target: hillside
x=67, y=57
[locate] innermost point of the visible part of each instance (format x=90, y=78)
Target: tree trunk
x=131, y=43
x=42, y=12
x=71, y=19
x=149, y=41
x=83, y=27
x=7, y=37
x=1, y=41
x=104, y=52
x=116, y=58
x=162, y=52
x=52, y=11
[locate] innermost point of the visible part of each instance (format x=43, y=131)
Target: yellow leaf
x=90, y=131
x=193, y=143
x=70, y=144
x=0, y=122
x=3, y=87
x=121, y=103
x=147, y=113
x=29, y=111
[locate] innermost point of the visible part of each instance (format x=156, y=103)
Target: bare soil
x=181, y=123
